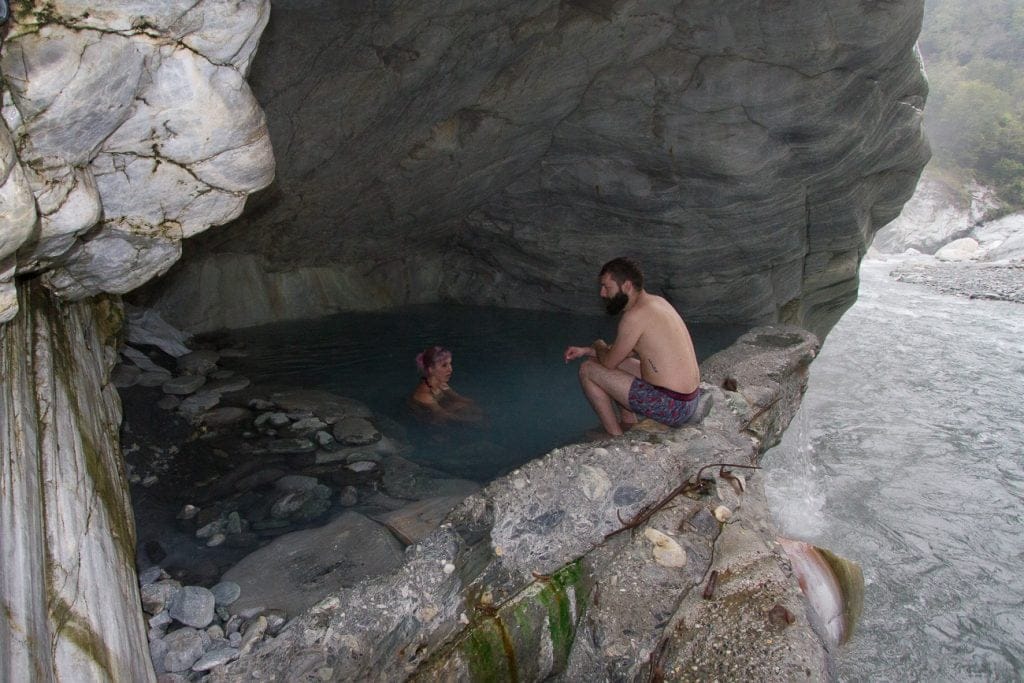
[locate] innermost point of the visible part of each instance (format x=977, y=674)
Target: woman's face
x=441, y=370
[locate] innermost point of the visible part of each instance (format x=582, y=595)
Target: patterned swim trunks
x=662, y=405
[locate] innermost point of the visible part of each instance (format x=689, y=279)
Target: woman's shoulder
x=422, y=393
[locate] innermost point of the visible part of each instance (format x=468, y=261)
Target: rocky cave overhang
x=496, y=153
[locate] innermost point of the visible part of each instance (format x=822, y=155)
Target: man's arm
x=574, y=352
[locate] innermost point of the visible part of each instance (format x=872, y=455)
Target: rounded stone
x=168, y=402
x=226, y=592
x=215, y=658
x=348, y=496
x=227, y=415
x=295, y=483
x=192, y=606
x=355, y=431
x=156, y=596
x=198, y=362
x=184, y=648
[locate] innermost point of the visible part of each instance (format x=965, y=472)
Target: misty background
x=973, y=54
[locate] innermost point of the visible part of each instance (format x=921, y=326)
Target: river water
x=908, y=457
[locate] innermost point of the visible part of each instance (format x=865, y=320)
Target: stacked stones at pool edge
x=190, y=628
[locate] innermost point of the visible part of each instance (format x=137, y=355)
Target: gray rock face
x=499, y=153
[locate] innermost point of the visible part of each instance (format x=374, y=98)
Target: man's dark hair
x=622, y=269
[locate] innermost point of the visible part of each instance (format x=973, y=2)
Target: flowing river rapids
x=908, y=457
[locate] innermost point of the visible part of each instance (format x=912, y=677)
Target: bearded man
x=650, y=370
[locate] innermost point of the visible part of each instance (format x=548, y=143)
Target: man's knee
x=587, y=368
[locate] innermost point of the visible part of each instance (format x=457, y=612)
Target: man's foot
x=596, y=434
x=647, y=425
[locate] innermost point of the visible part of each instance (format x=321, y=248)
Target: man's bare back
x=663, y=344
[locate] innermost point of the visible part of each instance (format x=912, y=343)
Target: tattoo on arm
x=653, y=366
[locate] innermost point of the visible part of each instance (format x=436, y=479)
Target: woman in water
x=433, y=398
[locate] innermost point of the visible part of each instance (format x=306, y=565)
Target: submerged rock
x=297, y=570
x=183, y=385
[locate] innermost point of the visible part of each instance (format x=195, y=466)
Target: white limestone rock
x=122, y=119
x=225, y=31
x=72, y=89
x=17, y=219
x=145, y=326
x=117, y=260
x=17, y=209
x=963, y=249
x=8, y=292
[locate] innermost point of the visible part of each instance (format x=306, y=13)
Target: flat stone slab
x=299, y=569
x=227, y=385
x=355, y=431
x=141, y=360
x=219, y=417
x=183, y=385
x=329, y=407
x=198, y=362
x=416, y=520
x=405, y=479
x=154, y=378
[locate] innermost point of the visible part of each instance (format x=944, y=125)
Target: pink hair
x=430, y=357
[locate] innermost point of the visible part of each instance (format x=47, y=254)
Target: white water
x=908, y=457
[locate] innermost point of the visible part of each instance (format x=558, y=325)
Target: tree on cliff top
x=974, y=56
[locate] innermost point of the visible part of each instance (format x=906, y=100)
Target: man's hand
x=574, y=352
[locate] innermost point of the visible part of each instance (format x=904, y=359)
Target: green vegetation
x=974, y=57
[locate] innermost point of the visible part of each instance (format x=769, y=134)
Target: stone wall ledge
x=630, y=557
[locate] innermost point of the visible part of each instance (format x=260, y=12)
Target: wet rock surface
x=999, y=281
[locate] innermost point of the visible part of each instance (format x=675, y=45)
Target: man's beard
x=615, y=304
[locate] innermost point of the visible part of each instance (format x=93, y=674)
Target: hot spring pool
x=509, y=361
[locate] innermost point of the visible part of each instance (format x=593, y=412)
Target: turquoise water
x=509, y=361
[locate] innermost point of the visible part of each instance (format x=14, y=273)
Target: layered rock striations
x=499, y=153
x=126, y=128
x=68, y=591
